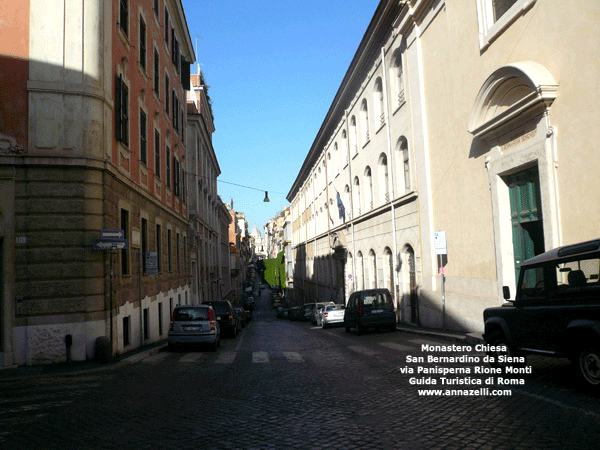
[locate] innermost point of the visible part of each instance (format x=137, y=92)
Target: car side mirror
x=506, y=292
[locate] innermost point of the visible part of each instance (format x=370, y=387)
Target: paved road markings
x=396, y=346
x=226, y=358
x=191, y=357
x=293, y=356
x=363, y=350
x=156, y=358
x=260, y=357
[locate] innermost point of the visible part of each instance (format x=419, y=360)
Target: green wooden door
x=526, y=216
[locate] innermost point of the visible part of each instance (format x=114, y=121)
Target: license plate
x=194, y=328
x=377, y=311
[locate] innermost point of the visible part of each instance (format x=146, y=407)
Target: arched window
x=396, y=80
x=356, y=198
x=372, y=269
x=353, y=136
x=346, y=202
x=364, y=122
x=403, y=164
x=329, y=167
x=383, y=175
x=345, y=147
x=378, y=102
x=388, y=270
x=368, y=189
x=350, y=280
x=336, y=160
x=360, y=271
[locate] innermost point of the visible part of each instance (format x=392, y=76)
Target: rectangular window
x=495, y=16
x=169, y=251
x=146, y=323
x=143, y=138
x=124, y=16
x=168, y=167
x=167, y=105
x=156, y=154
x=126, y=331
x=121, y=111
x=158, y=246
x=155, y=8
x=176, y=178
x=160, y=319
x=125, y=252
x=143, y=44
x=167, y=26
x=173, y=109
x=156, y=73
x=177, y=251
x=144, y=243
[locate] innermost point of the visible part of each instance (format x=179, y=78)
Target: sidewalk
x=75, y=368
x=455, y=336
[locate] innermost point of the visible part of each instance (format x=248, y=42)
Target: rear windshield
x=221, y=307
x=334, y=307
x=191, y=314
x=377, y=299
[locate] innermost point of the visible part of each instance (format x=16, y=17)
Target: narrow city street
x=281, y=384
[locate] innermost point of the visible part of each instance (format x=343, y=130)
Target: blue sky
x=273, y=68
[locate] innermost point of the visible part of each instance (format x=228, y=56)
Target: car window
x=221, y=308
x=578, y=275
x=532, y=283
x=334, y=307
x=191, y=314
x=377, y=299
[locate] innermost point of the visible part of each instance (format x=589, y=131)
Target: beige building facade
x=496, y=104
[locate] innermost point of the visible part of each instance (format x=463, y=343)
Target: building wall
x=556, y=138
x=72, y=177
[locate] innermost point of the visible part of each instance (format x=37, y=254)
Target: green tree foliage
x=272, y=271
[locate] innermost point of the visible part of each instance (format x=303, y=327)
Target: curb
x=31, y=372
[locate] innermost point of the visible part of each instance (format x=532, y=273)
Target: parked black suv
x=556, y=311
x=368, y=309
x=225, y=315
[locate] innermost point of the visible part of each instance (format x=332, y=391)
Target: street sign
x=439, y=240
x=110, y=244
x=112, y=234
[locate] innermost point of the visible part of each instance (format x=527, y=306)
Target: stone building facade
x=472, y=120
x=93, y=139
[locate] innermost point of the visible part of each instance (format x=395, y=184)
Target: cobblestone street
x=283, y=385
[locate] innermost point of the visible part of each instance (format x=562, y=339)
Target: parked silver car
x=317, y=311
x=331, y=314
x=194, y=325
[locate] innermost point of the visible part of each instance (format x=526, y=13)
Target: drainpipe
x=351, y=203
x=395, y=275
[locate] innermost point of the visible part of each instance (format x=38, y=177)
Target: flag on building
x=341, y=208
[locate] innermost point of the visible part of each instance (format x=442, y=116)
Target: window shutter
x=118, y=108
x=185, y=74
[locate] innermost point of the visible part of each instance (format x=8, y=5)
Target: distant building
x=260, y=250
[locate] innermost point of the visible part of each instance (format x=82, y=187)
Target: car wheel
x=323, y=325
x=359, y=329
x=588, y=365
x=497, y=339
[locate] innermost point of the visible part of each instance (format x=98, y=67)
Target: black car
x=556, y=312
x=225, y=315
x=372, y=308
